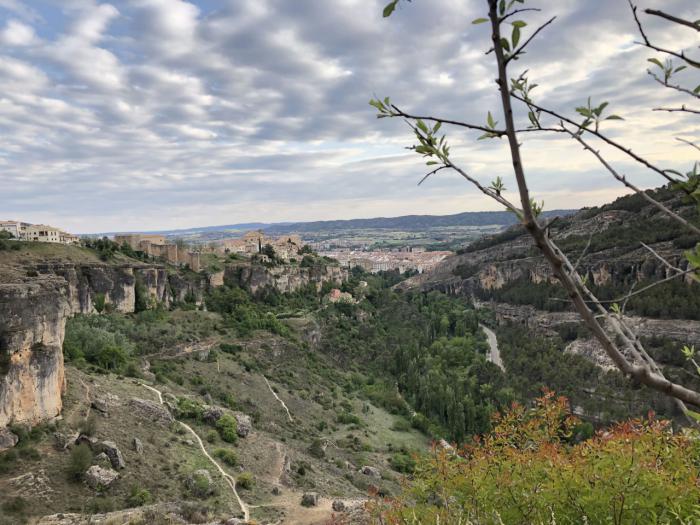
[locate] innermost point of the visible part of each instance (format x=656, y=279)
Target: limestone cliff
x=284, y=279
x=33, y=313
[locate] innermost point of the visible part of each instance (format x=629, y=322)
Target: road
x=494, y=354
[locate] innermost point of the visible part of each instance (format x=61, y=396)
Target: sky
x=164, y=114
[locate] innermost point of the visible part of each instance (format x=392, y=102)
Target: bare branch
x=648, y=44
x=660, y=258
x=430, y=173
x=516, y=11
x=643, y=193
x=682, y=109
x=689, y=143
x=656, y=12
x=400, y=113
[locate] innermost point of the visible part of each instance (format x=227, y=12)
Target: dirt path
x=494, y=353
x=229, y=479
x=289, y=415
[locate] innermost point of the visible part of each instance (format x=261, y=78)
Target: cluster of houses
x=286, y=247
x=24, y=231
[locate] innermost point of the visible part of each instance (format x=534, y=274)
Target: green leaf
x=614, y=117
x=432, y=162
x=502, y=7
x=516, y=36
x=479, y=20
x=694, y=415
x=390, y=8
x=421, y=125
x=697, y=89
x=490, y=121
x=505, y=44
x=655, y=61
x=436, y=127
x=679, y=68
x=519, y=23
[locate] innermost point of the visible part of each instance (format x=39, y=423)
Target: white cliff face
x=32, y=318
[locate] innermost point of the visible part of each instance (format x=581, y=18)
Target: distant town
x=284, y=248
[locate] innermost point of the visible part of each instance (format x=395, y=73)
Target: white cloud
x=164, y=113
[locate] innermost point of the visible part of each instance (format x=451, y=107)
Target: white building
x=14, y=227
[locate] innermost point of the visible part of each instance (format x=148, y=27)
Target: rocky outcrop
x=151, y=411
x=100, y=478
x=285, y=279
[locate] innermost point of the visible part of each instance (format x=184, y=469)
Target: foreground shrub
x=245, y=480
x=529, y=470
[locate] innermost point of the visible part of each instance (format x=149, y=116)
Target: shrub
x=138, y=497
x=227, y=456
x=212, y=436
x=402, y=462
x=79, y=462
x=89, y=426
x=401, y=425
x=345, y=418
x=245, y=480
x=227, y=427
x=528, y=470
x=29, y=453
x=316, y=449
x=99, y=302
x=189, y=408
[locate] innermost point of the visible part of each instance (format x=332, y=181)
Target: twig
x=674, y=86
x=532, y=36
x=631, y=186
x=516, y=11
x=689, y=143
x=648, y=44
x=400, y=113
x=431, y=173
x=680, y=109
x=663, y=261
x=602, y=137
x=656, y=12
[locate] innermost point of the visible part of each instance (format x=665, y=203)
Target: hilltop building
x=24, y=231
x=286, y=247
x=157, y=246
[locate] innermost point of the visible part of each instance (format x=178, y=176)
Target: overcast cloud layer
x=154, y=114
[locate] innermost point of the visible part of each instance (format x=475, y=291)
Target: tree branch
x=656, y=12
x=602, y=137
x=674, y=86
x=682, y=109
x=643, y=193
x=532, y=36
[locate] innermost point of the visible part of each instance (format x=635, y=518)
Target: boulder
x=7, y=439
x=63, y=441
x=235, y=521
x=212, y=414
x=102, y=460
x=200, y=483
x=245, y=424
x=100, y=478
x=138, y=445
x=309, y=499
x=276, y=491
x=101, y=405
x=371, y=471
x=84, y=439
x=113, y=453
x=151, y=410
x=338, y=506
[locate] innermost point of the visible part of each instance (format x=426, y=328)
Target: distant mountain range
x=404, y=223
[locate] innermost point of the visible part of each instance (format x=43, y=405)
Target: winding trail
x=289, y=415
x=494, y=354
x=229, y=479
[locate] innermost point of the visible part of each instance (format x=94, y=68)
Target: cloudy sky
x=154, y=114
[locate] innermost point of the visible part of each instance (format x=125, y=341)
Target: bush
x=139, y=497
x=212, y=436
x=345, y=418
x=228, y=427
x=402, y=462
x=89, y=426
x=189, y=408
x=245, y=480
x=227, y=456
x=80, y=460
x=527, y=470
x=16, y=505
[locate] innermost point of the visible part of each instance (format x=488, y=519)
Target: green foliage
x=227, y=427
x=226, y=455
x=638, y=471
x=242, y=313
x=86, y=341
x=99, y=302
x=80, y=460
x=138, y=497
x=245, y=480
x=189, y=408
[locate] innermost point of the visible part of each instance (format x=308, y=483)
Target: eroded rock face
x=151, y=410
x=100, y=478
x=32, y=322
x=284, y=279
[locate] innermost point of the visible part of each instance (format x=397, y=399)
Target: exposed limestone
x=284, y=279
x=138, y=445
x=99, y=478
x=338, y=506
x=7, y=439
x=113, y=453
x=245, y=424
x=151, y=410
x=371, y=471
x=309, y=499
